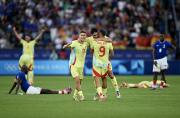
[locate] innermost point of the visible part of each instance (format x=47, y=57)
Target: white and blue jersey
x=24, y=83
x=160, y=49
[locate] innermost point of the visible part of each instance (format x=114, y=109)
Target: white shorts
x=161, y=65
x=33, y=90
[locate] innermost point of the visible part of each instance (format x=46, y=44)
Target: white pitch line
x=141, y=94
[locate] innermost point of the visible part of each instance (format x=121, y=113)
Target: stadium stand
x=130, y=23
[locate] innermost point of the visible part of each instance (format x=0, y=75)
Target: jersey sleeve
x=22, y=41
x=110, y=46
x=92, y=45
x=19, y=76
x=72, y=44
x=88, y=41
x=33, y=42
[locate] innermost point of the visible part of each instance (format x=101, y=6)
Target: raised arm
x=13, y=86
x=67, y=46
x=17, y=35
x=40, y=34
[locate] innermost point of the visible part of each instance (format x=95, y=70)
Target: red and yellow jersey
x=78, y=53
x=101, y=53
x=90, y=40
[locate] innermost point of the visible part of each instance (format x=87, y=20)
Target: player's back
x=24, y=83
x=101, y=53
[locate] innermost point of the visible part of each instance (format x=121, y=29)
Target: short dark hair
x=82, y=31
x=103, y=32
x=24, y=68
x=93, y=30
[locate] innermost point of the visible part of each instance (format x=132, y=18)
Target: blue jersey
x=24, y=83
x=160, y=49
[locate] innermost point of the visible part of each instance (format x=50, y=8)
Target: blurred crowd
x=130, y=23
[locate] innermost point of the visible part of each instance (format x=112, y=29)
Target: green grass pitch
x=135, y=103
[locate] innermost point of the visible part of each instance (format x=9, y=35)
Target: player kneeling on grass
x=21, y=81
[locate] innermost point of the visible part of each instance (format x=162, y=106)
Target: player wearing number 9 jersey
x=101, y=52
x=89, y=40
x=160, y=64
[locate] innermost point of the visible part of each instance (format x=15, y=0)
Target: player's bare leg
x=163, y=76
x=98, y=88
x=78, y=92
x=31, y=77
x=114, y=83
x=163, y=79
x=154, y=86
x=48, y=91
x=104, y=86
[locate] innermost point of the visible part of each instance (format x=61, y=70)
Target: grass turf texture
x=134, y=103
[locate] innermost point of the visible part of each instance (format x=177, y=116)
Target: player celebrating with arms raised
x=76, y=63
x=160, y=64
x=27, y=58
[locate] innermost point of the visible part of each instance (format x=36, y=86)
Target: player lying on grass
x=143, y=84
x=21, y=81
x=28, y=51
x=95, y=36
x=76, y=63
x=160, y=64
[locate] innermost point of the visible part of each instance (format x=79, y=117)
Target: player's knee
x=77, y=79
